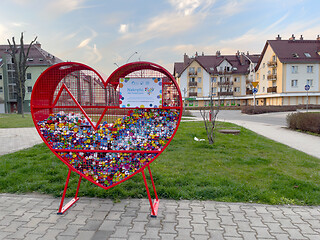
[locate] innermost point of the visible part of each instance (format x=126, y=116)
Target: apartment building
x=226, y=77
x=285, y=68
x=38, y=61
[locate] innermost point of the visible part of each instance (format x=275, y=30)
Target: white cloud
x=188, y=7
x=168, y=24
x=98, y=55
x=123, y=28
x=86, y=41
x=59, y=7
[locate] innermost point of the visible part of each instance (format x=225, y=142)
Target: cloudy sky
x=101, y=33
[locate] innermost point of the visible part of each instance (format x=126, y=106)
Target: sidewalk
x=34, y=217
x=15, y=139
x=273, y=126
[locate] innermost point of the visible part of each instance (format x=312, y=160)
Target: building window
x=307, y=55
x=199, y=90
x=199, y=79
x=1, y=89
x=263, y=89
x=191, y=70
x=237, y=89
x=257, y=76
x=214, y=90
x=294, y=83
x=0, y=76
x=11, y=77
x=192, y=80
x=274, y=58
x=237, y=79
x=263, y=77
x=29, y=76
x=263, y=65
x=213, y=79
x=29, y=89
x=294, y=69
x=310, y=82
x=199, y=69
x=309, y=69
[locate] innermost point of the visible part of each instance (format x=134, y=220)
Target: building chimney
x=185, y=59
x=202, y=54
x=318, y=38
x=37, y=44
x=196, y=55
x=247, y=53
x=292, y=38
x=278, y=38
x=242, y=59
x=301, y=37
x=218, y=53
x=237, y=53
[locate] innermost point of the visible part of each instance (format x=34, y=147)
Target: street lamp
x=252, y=69
x=131, y=56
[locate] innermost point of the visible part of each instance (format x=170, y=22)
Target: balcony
x=226, y=83
x=226, y=93
x=192, y=74
x=192, y=84
x=192, y=94
x=272, y=89
x=272, y=77
x=272, y=64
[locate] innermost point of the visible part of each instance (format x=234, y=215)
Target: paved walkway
x=34, y=217
x=14, y=139
x=273, y=126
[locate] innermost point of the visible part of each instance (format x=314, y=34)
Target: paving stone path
x=35, y=217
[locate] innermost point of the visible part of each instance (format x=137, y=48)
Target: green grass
x=15, y=121
x=237, y=168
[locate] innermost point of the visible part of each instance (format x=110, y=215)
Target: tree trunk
x=20, y=67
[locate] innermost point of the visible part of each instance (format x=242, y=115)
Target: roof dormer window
x=307, y=55
x=295, y=55
x=29, y=59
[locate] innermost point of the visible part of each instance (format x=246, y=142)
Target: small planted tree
x=209, y=119
x=19, y=57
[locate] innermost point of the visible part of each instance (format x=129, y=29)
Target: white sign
x=140, y=92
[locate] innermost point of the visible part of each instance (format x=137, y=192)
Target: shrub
x=268, y=109
x=304, y=121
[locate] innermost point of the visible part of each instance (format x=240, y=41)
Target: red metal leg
x=72, y=201
x=155, y=205
x=154, y=187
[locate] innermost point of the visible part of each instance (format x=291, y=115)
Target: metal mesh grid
x=80, y=118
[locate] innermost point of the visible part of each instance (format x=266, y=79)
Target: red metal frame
x=64, y=208
x=155, y=205
x=49, y=89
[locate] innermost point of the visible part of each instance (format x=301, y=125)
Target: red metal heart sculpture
x=106, y=130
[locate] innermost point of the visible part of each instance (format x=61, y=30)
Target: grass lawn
x=15, y=121
x=241, y=168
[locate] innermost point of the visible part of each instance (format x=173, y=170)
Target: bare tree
x=209, y=118
x=19, y=58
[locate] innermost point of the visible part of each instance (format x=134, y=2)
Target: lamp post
x=131, y=56
x=254, y=84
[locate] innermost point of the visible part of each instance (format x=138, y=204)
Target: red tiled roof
x=37, y=56
x=293, y=51
x=210, y=63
